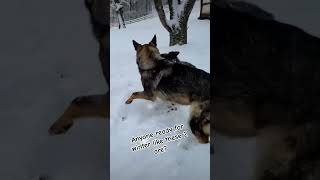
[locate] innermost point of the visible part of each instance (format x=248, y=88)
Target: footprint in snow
x=172, y=107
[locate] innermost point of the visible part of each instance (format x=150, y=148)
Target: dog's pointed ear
x=136, y=45
x=154, y=41
x=174, y=53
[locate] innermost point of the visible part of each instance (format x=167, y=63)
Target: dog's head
x=147, y=54
x=172, y=56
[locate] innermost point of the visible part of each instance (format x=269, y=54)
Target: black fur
x=173, y=56
x=244, y=7
x=186, y=80
x=264, y=62
x=164, y=76
x=99, y=18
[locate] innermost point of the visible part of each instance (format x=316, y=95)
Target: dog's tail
x=200, y=121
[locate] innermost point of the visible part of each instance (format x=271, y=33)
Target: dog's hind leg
x=140, y=95
x=80, y=107
x=277, y=149
x=200, y=121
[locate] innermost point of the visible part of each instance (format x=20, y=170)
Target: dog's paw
x=60, y=127
x=129, y=101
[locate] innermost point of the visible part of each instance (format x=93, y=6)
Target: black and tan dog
x=266, y=85
x=175, y=81
x=95, y=105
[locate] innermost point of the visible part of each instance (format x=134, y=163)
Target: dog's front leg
x=80, y=107
x=140, y=95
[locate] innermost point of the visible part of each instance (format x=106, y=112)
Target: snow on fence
x=136, y=10
x=133, y=11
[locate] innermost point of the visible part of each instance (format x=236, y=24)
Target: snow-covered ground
x=48, y=57
x=183, y=159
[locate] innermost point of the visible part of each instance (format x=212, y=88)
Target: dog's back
x=266, y=77
x=265, y=60
x=189, y=83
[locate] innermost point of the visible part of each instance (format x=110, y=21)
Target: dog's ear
x=154, y=41
x=174, y=53
x=165, y=55
x=136, y=45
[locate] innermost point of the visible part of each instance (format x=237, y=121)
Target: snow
x=178, y=10
x=48, y=57
x=184, y=158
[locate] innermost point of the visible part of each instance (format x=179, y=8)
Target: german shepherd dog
x=92, y=105
x=267, y=85
x=174, y=81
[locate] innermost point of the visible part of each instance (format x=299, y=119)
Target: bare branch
x=162, y=16
x=170, y=8
x=188, y=6
x=126, y=2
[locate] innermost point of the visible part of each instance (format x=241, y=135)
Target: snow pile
x=144, y=122
x=178, y=10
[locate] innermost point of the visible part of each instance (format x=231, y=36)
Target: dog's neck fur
x=151, y=66
x=162, y=68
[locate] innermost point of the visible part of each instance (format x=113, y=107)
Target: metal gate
x=133, y=11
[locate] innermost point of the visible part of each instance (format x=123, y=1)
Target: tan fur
x=180, y=99
x=81, y=107
x=145, y=52
x=206, y=129
x=92, y=105
x=139, y=95
x=277, y=144
x=234, y=119
x=147, y=56
x=196, y=109
x=202, y=134
x=274, y=152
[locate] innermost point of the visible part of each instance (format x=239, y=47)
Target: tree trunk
x=179, y=36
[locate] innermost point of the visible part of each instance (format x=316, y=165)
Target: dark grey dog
x=267, y=82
